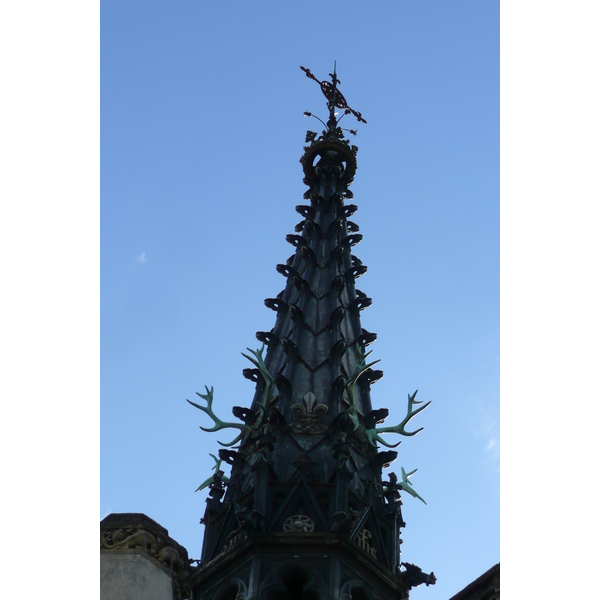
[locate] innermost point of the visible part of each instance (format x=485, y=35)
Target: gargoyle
x=384, y=459
x=343, y=521
x=414, y=576
x=250, y=522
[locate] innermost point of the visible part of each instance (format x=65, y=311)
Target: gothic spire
x=305, y=460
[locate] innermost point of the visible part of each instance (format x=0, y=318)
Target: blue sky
x=202, y=128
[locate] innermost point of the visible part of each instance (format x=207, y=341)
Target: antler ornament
x=252, y=422
x=406, y=485
x=244, y=429
x=216, y=468
x=373, y=434
x=259, y=363
x=361, y=368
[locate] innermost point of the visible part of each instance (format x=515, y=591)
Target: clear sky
x=202, y=128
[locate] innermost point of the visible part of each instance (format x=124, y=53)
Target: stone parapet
x=139, y=560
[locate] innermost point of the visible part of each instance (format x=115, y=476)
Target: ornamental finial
x=335, y=99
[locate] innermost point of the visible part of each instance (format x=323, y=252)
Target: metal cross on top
x=335, y=98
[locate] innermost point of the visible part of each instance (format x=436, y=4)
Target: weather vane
x=335, y=99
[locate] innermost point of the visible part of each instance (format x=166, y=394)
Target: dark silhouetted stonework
x=305, y=514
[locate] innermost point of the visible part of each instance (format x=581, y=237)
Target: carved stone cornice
x=124, y=532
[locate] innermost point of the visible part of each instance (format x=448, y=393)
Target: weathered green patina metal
x=361, y=368
x=407, y=486
x=211, y=479
x=259, y=362
x=373, y=434
x=219, y=424
x=252, y=420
